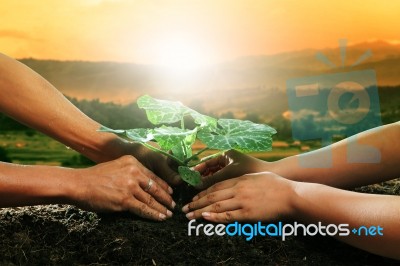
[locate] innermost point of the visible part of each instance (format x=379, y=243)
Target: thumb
x=221, y=175
x=168, y=170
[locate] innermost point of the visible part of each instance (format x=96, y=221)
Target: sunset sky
x=168, y=32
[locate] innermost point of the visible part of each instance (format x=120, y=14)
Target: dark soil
x=65, y=235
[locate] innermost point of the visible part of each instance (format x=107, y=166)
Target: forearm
x=313, y=203
x=33, y=101
x=32, y=185
x=343, y=172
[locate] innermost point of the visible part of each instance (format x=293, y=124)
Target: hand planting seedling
x=176, y=142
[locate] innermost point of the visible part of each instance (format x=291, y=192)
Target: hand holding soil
x=251, y=197
x=229, y=165
x=124, y=185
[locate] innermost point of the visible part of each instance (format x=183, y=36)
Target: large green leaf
x=244, y=136
x=142, y=135
x=167, y=112
x=204, y=121
x=223, y=134
x=115, y=131
x=161, y=111
x=139, y=134
x=169, y=137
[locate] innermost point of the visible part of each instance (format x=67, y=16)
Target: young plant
x=176, y=142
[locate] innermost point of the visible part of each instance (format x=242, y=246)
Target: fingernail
x=185, y=208
x=162, y=216
x=170, y=191
x=173, y=204
x=205, y=214
x=169, y=213
x=190, y=215
x=195, y=198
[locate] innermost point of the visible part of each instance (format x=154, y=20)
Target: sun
x=180, y=54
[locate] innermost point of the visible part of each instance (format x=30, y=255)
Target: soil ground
x=66, y=235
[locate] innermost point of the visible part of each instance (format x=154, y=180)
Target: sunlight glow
x=180, y=54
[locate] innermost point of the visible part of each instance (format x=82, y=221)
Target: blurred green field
x=30, y=147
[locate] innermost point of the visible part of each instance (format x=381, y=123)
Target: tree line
x=130, y=116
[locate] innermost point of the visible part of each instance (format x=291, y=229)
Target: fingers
x=161, y=190
x=163, y=185
x=220, y=175
x=168, y=174
x=219, y=186
x=208, y=199
x=216, y=170
x=228, y=205
x=152, y=202
x=143, y=210
x=216, y=199
x=151, y=196
x=224, y=217
x=206, y=167
x=161, y=165
x=157, y=193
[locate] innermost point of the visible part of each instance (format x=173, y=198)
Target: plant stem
x=184, y=149
x=163, y=152
x=194, y=155
x=208, y=158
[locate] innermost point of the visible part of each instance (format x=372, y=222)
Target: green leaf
x=244, y=136
x=167, y=112
x=139, y=134
x=179, y=152
x=106, y=129
x=204, y=121
x=176, y=143
x=189, y=176
x=161, y=111
x=169, y=137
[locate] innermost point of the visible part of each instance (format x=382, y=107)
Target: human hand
x=252, y=197
x=123, y=185
x=229, y=165
x=155, y=162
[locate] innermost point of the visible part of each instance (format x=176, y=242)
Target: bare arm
x=342, y=173
x=33, y=101
x=266, y=196
x=121, y=184
x=118, y=185
x=315, y=202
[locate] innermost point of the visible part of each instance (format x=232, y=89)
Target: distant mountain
x=248, y=84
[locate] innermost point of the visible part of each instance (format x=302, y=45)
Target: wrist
x=286, y=167
x=73, y=187
x=274, y=167
x=301, y=203
x=290, y=209
x=107, y=148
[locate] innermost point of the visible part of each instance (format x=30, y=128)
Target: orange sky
x=205, y=31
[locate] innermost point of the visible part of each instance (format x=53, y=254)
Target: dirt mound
x=66, y=235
